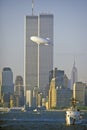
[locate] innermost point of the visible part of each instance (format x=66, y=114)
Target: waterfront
x=45, y=120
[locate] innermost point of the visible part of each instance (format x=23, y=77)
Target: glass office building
x=7, y=81
x=41, y=25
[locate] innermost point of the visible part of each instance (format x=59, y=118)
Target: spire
x=74, y=63
x=32, y=7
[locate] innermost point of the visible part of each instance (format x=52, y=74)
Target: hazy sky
x=70, y=33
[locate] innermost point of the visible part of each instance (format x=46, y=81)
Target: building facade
x=41, y=25
x=7, y=86
x=86, y=95
x=29, y=98
x=74, y=75
x=63, y=97
x=79, y=92
x=19, y=91
x=0, y=86
x=60, y=78
x=52, y=95
x=7, y=81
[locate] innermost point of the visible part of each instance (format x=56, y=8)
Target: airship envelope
x=39, y=40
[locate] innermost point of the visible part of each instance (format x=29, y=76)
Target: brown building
x=52, y=94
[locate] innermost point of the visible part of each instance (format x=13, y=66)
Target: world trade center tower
x=41, y=25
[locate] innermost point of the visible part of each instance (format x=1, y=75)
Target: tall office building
x=0, y=85
x=74, y=75
x=86, y=95
x=79, y=92
x=29, y=98
x=52, y=94
x=7, y=86
x=19, y=90
x=60, y=78
x=19, y=85
x=63, y=97
x=7, y=81
x=41, y=25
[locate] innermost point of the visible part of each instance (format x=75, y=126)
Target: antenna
x=32, y=7
x=74, y=62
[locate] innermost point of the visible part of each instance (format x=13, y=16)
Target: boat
x=73, y=114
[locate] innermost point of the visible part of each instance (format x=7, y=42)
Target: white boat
x=73, y=114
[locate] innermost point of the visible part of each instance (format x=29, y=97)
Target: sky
x=70, y=33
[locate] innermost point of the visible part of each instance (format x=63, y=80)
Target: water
x=46, y=120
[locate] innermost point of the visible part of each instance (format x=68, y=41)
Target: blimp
x=39, y=40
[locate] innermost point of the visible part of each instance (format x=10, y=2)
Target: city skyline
x=70, y=25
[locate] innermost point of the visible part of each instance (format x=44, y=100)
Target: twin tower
x=42, y=26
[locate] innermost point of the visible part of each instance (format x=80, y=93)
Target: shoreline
x=2, y=109
x=62, y=110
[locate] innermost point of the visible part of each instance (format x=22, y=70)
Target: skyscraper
x=52, y=94
x=74, y=75
x=19, y=90
x=60, y=78
x=7, y=86
x=0, y=84
x=19, y=85
x=41, y=25
x=7, y=81
x=79, y=92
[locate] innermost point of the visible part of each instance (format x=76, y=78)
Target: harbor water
x=44, y=120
